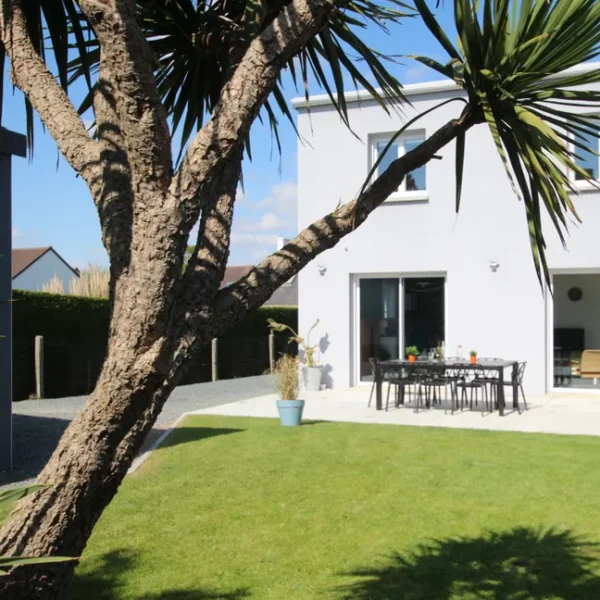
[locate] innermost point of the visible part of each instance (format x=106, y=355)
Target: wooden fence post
x=214, y=359
x=39, y=367
x=272, y=351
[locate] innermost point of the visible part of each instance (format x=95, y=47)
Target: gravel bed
x=38, y=424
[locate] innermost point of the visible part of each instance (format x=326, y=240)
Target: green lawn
x=237, y=508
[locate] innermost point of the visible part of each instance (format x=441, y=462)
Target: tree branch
x=115, y=199
x=241, y=99
x=129, y=71
x=206, y=268
x=29, y=73
x=251, y=291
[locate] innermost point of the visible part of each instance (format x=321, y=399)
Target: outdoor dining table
x=500, y=366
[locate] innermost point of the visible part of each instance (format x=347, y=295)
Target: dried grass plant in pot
x=286, y=379
x=311, y=371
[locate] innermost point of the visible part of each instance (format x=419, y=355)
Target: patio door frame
x=355, y=313
x=550, y=387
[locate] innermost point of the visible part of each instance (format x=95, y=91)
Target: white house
x=34, y=267
x=416, y=273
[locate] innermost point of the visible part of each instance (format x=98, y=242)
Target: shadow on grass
x=107, y=581
x=185, y=435
x=520, y=564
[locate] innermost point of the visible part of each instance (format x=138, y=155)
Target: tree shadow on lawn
x=519, y=564
x=107, y=582
x=184, y=435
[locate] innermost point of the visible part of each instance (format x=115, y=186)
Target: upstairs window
x=586, y=159
x=414, y=185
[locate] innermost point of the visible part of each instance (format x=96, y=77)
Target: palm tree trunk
x=87, y=467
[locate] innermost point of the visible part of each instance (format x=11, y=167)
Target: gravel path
x=38, y=424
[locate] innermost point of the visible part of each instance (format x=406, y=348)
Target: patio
x=575, y=414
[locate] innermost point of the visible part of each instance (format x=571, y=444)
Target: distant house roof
x=23, y=258
x=232, y=274
x=285, y=295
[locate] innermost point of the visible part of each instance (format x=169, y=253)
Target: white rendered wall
x=500, y=313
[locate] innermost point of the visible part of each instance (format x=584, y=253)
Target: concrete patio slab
x=562, y=414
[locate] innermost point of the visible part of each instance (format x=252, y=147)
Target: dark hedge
x=75, y=332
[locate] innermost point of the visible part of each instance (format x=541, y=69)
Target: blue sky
x=52, y=207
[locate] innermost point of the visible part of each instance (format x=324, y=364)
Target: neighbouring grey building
x=286, y=295
x=11, y=144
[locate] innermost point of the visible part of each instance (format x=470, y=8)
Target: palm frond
x=195, y=43
x=520, y=63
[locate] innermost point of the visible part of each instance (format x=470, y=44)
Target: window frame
x=582, y=184
x=402, y=194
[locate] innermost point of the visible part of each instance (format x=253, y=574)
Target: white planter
x=312, y=378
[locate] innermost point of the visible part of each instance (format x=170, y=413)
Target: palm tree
x=513, y=59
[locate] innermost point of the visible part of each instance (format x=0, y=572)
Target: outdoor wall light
x=321, y=269
x=494, y=265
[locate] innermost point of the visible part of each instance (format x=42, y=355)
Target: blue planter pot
x=290, y=412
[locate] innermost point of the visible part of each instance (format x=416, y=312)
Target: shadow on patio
x=520, y=564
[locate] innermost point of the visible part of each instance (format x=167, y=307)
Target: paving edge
x=142, y=458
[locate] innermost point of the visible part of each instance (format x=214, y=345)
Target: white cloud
x=269, y=221
x=16, y=234
x=256, y=239
x=254, y=235
x=283, y=200
x=256, y=228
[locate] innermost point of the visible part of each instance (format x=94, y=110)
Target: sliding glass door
x=379, y=322
x=394, y=312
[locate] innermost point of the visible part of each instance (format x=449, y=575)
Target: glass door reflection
x=379, y=322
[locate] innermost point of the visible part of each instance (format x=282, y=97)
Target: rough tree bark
x=160, y=317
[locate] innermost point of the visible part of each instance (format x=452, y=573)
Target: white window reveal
x=414, y=185
x=588, y=159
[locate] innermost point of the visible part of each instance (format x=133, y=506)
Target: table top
x=465, y=364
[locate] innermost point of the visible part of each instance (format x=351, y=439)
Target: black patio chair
x=520, y=374
x=471, y=379
x=402, y=378
x=490, y=377
x=373, y=362
x=453, y=374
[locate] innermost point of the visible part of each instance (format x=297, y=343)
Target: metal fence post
x=214, y=359
x=39, y=367
x=272, y=351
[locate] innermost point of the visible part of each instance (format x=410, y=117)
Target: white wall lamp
x=494, y=265
x=321, y=269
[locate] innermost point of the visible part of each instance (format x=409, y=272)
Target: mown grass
x=243, y=508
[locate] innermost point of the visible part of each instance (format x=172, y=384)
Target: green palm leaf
x=195, y=43
x=516, y=56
